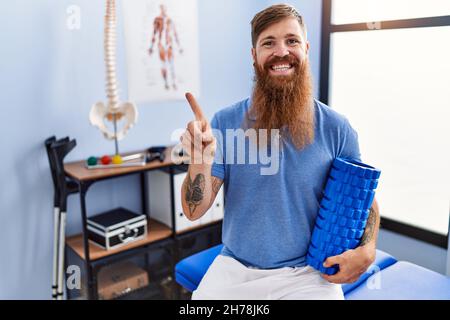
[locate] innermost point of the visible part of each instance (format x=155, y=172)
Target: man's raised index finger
x=195, y=107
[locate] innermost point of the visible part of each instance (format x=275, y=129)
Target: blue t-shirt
x=269, y=217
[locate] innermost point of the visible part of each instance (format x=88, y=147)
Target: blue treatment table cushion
x=190, y=271
x=405, y=281
x=397, y=280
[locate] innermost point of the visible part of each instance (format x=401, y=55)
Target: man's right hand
x=198, y=140
x=199, y=187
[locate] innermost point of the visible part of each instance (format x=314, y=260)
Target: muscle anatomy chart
x=162, y=49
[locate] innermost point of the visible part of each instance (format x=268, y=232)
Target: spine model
x=110, y=57
x=114, y=110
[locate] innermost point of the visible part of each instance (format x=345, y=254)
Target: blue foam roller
x=315, y=239
x=340, y=198
x=344, y=232
x=343, y=211
x=313, y=251
x=347, y=178
x=365, y=214
x=364, y=183
x=320, y=222
x=352, y=223
x=351, y=233
x=327, y=227
x=360, y=172
x=330, y=271
x=340, y=165
x=335, y=229
x=349, y=212
x=362, y=194
x=322, y=246
x=322, y=256
x=373, y=184
x=334, y=219
x=328, y=204
x=329, y=188
x=338, y=241
x=345, y=243
x=359, y=234
x=368, y=175
x=355, y=181
x=315, y=263
x=330, y=250
x=348, y=190
x=357, y=204
x=353, y=243
x=368, y=201
x=357, y=214
x=324, y=213
x=356, y=193
x=338, y=175
x=361, y=224
x=348, y=202
x=339, y=186
x=376, y=174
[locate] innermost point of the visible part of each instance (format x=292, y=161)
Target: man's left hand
x=352, y=264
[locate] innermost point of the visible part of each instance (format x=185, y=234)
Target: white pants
x=228, y=279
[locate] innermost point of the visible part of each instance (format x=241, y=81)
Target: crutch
x=56, y=151
x=61, y=244
x=66, y=187
x=56, y=213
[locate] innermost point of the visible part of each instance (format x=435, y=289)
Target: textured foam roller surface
x=343, y=212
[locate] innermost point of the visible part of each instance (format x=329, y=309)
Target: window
x=354, y=11
x=392, y=80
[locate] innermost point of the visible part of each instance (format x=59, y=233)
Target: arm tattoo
x=217, y=183
x=370, y=227
x=194, y=192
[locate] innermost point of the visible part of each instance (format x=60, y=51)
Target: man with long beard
x=269, y=219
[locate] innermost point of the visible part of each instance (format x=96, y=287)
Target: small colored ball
x=117, y=159
x=92, y=161
x=105, y=160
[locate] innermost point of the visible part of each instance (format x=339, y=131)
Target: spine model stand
x=114, y=110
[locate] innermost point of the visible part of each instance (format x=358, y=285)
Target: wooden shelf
x=77, y=170
x=156, y=231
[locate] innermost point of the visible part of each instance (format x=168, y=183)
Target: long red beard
x=285, y=102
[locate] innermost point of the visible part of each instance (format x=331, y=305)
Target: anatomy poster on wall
x=161, y=39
